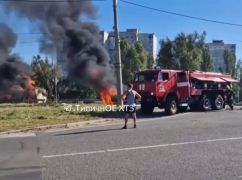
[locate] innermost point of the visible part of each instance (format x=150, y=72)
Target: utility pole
x=54, y=64
x=118, y=55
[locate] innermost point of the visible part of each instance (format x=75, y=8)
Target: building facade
x=149, y=41
x=217, y=49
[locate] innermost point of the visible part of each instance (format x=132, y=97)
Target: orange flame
x=21, y=91
x=30, y=84
x=30, y=87
x=108, y=94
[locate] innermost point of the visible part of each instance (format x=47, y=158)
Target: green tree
x=207, y=63
x=69, y=89
x=166, y=55
x=43, y=75
x=230, y=61
x=186, y=52
x=134, y=58
x=238, y=68
x=141, y=54
x=126, y=56
x=150, y=62
x=238, y=76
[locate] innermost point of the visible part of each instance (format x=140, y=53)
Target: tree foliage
x=43, y=75
x=134, y=58
x=207, y=63
x=166, y=57
x=238, y=76
x=69, y=89
x=230, y=61
x=186, y=52
x=150, y=62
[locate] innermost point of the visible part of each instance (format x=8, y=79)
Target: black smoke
x=7, y=41
x=65, y=29
x=13, y=71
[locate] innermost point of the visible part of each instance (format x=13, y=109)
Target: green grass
x=19, y=116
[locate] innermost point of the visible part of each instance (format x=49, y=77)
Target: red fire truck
x=175, y=90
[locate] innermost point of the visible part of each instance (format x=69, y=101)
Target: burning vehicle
x=108, y=95
x=16, y=84
x=23, y=90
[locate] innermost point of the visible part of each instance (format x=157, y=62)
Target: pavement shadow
x=158, y=114
x=90, y=131
x=153, y=115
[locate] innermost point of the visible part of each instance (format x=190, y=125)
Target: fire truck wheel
x=205, y=103
x=171, y=106
x=147, y=108
x=218, y=103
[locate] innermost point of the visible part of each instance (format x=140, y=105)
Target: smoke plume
x=14, y=76
x=76, y=41
x=7, y=41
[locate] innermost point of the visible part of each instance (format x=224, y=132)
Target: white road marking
x=17, y=135
x=143, y=147
x=74, y=154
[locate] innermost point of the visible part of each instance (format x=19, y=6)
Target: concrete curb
x=59, y=126
x=40, y=128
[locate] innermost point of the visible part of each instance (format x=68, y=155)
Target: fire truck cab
x=175, y=90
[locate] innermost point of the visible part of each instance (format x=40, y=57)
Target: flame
x=21, y=91
x=30, y=87
x=108, y=94
x=30, y=84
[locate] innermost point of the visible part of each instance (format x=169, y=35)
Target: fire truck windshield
x=148, y=77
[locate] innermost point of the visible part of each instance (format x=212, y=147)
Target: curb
x=40, y=128
x=58, y=126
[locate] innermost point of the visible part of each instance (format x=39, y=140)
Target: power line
x=181, y=15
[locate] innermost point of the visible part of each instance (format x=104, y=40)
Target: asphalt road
x=20, y=159
x=195, y=145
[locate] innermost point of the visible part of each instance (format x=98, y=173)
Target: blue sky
x=163, y=25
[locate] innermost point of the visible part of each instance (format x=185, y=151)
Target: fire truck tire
x=171, y=106
x=218, y=102
x=147, y=108
x=205, y=103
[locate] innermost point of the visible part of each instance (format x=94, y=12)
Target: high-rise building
x=149, y=41
x=217, y=49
